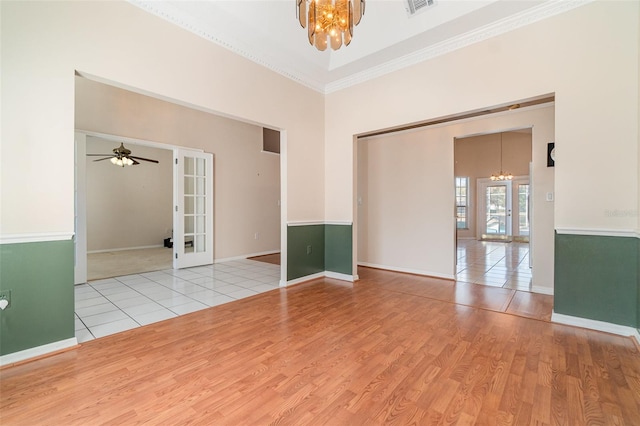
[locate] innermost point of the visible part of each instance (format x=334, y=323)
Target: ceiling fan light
x=113, y=160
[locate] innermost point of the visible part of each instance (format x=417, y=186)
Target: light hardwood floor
x=389, y=349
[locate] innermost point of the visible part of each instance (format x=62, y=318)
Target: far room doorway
x=493, y=208
x=247, y=172
x=129, y=215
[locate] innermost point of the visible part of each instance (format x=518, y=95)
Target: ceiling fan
x=121, y=157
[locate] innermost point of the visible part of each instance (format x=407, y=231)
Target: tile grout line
x=254, y=267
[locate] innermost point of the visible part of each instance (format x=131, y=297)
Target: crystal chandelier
x=329, y=21
x=501, y=175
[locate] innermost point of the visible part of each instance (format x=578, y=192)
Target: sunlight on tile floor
x=495, y=264
x=113, y=305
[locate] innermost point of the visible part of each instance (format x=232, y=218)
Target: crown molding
x=530, y=16
x=546, y=10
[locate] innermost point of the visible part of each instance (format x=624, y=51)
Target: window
x=462, y=202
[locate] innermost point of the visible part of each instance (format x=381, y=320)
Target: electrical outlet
x=256, y=236
x=5, y=295
x=308, y=249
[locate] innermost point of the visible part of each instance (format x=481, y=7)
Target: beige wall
x=246, y=179
x=479, y=157
x=587, y=57
x=405, y=195
x=44, y=43
x=128, y=207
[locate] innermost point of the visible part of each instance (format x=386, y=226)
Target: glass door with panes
x=193, y=213
x=521, y=208
x=504, y=209
x=494, y=210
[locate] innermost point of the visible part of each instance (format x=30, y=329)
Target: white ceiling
x=387, y=39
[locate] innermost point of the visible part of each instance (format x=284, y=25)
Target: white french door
x=494, y=209
x=503, y=209
x=521, y=191
x=193, y=209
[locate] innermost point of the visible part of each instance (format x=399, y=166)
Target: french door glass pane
x=188, y=243
x=189, y=168
x=188, y=185
x=195, y=204
x=496, y=213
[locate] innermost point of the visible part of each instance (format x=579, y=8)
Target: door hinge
x=176, y=161
x=176, y=208
x=176, y=255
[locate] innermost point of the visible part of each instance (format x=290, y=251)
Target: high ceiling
x=387, y=38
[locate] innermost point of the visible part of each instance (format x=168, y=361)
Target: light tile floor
x=494, y=263
x=113, y=305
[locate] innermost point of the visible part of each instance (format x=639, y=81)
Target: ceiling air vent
x=416, y=6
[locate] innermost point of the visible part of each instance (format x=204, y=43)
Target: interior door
x=193, y=212
x=494, y=210
x=521, y=208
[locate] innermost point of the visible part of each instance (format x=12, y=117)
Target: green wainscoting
x=598, y=277
x=40, y=278
x=317, y=248
x=305, y=250
x=338, y=249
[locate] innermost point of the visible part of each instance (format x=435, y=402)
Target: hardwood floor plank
x=531, y=305
x=389, y=349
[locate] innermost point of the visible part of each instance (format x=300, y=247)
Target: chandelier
x=329, y=21
x=501, y=175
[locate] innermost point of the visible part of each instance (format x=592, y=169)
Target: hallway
x=495, y=264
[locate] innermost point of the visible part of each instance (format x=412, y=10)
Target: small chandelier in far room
x=501, y=175
x=329, y=22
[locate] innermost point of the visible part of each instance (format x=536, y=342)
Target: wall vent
x=416, y=6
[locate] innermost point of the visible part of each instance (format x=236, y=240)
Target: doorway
x=124, y=214
x=492, y=241
x=250, y=182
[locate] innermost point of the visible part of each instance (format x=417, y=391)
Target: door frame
x=80, y=237
x=80, y=208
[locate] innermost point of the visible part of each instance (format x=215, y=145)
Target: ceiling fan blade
x=105, y=158
x=143, y=159
x=98, y=155
x=135, y=163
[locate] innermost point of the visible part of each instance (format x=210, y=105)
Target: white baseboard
x=303, y=279
x=621, y=330
x=245, y=256
x=542, y=290
x=327, y=274
x=409, y=271
x=37, y=351
x=125, y=249
x=338, y=276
